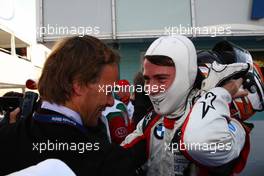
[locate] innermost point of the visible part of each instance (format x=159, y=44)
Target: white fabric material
x=130, y=110
x=225, y=135
x=255, y=101
x=209, y=119
x=161, y=159
x=113, y=108
x=182, y=51
x=219, y=72
x=50, y=167
x=212, y=128
x=62, y=110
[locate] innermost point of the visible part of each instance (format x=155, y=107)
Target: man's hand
x=13, y=115
x=220, y=75
x=233, y=87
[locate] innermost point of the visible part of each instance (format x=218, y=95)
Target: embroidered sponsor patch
x=121, y=132
x=208, y=103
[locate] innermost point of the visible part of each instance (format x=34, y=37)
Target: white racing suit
x=203, y=137
x=199, y=136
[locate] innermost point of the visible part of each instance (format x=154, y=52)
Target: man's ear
x=77, y=88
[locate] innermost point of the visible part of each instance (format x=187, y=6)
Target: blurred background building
x=21, y=57
x=130, y=26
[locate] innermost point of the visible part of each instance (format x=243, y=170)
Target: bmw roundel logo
x=159, y=131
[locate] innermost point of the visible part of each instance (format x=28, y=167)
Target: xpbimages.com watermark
x=147, y=89
x=68, y=30
x=212, y=31
x=208, y=147
x=56, y=145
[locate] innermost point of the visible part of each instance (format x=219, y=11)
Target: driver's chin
x=156, y=93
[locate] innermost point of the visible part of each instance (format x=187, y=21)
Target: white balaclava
x=182, y=51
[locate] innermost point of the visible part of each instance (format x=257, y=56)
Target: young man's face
x=95, y=98
x=157, y=78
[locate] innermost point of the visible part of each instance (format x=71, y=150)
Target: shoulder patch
x=208, y=103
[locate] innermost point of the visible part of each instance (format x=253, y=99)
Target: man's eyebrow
x=156, y=76
x=161, y=75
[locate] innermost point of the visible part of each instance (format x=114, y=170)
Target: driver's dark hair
x=160, y=60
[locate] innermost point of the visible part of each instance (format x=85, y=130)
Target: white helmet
x=182, y=51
